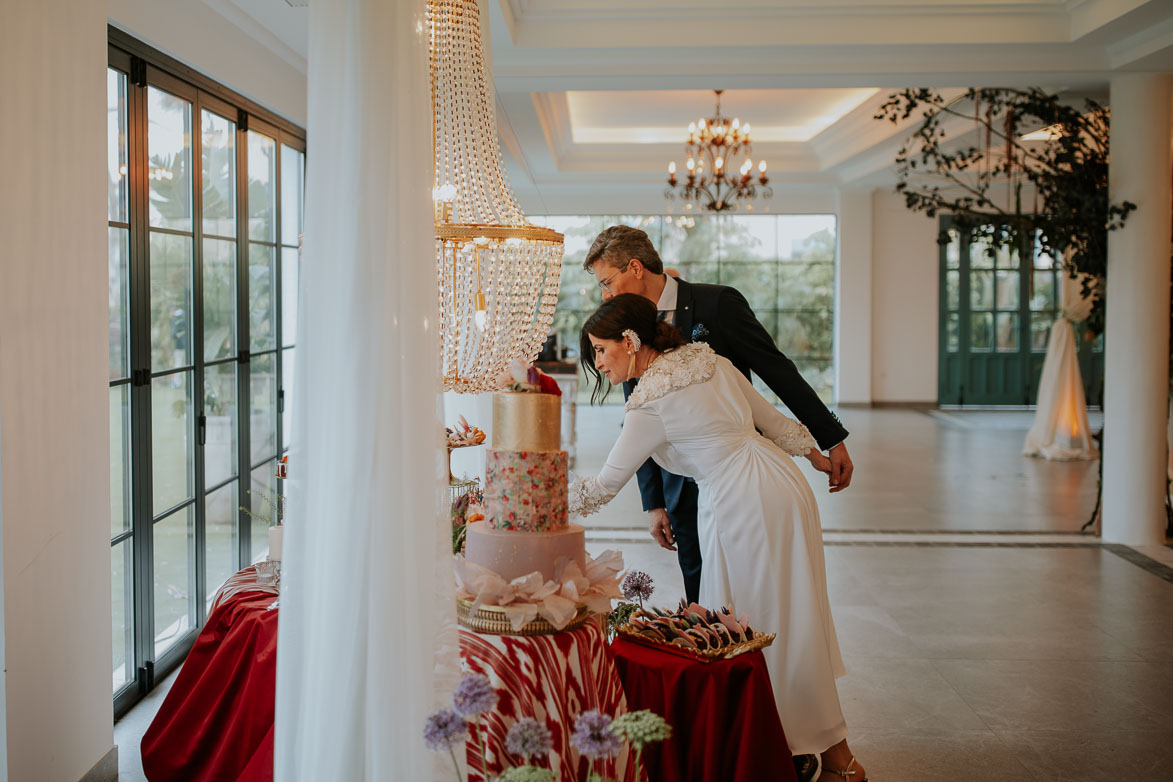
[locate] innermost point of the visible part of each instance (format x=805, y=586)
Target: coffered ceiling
x=594, y=95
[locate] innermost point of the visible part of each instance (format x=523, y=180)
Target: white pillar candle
x=276, y=537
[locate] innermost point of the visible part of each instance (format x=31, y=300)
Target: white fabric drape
x=1060, y=429
x=366, y=582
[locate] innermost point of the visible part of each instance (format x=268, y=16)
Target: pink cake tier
x=513, y=555
x=526, y=491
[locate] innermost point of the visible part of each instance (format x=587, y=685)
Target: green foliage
x=983, y=185
x=619, y=617
x=527, y=774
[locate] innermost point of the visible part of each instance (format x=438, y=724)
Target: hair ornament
x=635, y=340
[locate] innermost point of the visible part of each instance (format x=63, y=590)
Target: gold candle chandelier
x=497, y=274
x=714, y=147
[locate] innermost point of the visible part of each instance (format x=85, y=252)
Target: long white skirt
x=762, y=549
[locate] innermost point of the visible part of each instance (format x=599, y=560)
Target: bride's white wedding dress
x=696, y=415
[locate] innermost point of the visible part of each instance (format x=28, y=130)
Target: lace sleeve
x=587, y=496
x=795, y=438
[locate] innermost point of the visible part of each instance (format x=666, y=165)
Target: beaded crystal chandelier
x=497, y=274
x=718, y=143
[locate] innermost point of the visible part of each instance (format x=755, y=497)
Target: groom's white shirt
x=667, y=302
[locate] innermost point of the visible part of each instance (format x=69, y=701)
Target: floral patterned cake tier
x=526, y=490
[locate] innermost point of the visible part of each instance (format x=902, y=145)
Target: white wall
x=853, y=299
x=53, y=389
x=905, y=292
x=192, y=32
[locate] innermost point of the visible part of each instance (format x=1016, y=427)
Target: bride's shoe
x=847, y=773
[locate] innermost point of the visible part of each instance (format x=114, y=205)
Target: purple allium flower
x=444, y=729
x=637, y=585
x=528, y=738
x=474, y=695
x=593, y=737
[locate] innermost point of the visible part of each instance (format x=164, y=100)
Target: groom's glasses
x=606, y=284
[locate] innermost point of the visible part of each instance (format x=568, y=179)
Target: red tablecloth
x=554, y=679
x=216, y=724
x=724, y=721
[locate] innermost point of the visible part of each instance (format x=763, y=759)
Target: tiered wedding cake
x=525, y=527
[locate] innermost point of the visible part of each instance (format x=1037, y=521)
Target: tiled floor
x=1036, y=654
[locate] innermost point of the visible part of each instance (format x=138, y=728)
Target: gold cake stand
x=492, y=620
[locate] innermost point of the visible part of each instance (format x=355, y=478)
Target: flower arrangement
x=596, y=735
x=463, y=435
x=276, y=503
x=466, y=509
x=526, y=378
x=637, y=586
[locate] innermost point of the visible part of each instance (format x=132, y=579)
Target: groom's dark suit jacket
x=720, y=316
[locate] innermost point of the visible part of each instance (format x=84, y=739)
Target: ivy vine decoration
x=1005, y=189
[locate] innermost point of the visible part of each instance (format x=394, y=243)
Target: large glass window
x=783, y=264
x=201, y=219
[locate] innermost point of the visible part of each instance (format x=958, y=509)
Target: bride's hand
x=819, y=460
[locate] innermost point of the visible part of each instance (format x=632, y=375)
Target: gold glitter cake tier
x=527, y=422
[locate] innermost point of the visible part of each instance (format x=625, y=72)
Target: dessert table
x=554, y=679
x=724, y=721
x=216, y=723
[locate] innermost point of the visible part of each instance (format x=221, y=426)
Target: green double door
x=996, y=313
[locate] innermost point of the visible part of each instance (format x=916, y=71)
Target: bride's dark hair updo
x=611, y=319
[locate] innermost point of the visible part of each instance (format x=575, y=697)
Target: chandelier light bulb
x=445, y=193
x=692, y=128
x=690, y=165
x=745, y=131
x=701, y=123
x=672, y=167
x=762, y=167
x=736, y=124
x=719, y=163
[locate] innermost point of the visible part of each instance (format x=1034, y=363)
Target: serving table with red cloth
x=725, y=724
x=554, y=679
x=216, y=723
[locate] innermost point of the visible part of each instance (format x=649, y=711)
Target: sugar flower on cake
x=527, y=378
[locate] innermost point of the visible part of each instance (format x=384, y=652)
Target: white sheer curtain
x=367, y=580
x=1060, y=430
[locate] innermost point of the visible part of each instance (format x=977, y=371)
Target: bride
x=696, y=415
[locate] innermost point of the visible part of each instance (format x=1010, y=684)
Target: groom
x=623, y=260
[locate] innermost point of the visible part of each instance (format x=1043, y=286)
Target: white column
x=54, y=391
x=853, y=299
x=1137, y=331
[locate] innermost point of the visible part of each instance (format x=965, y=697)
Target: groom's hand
x=841, y=468
x=661, y=528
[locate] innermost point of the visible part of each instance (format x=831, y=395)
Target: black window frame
x=145, y=67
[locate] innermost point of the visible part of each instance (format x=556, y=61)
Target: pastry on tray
x=696, y=631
